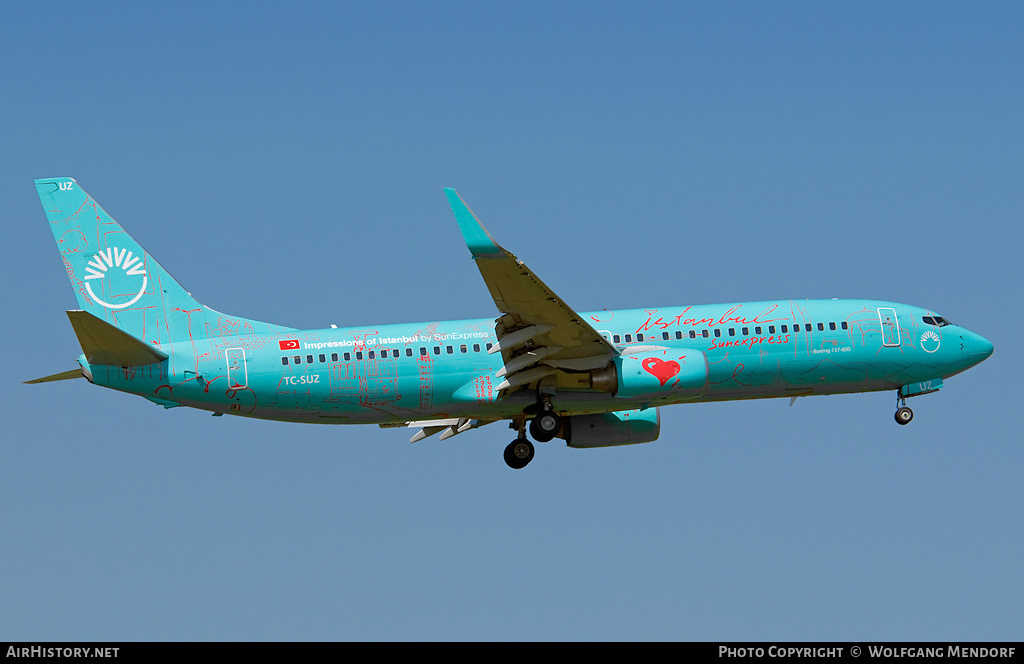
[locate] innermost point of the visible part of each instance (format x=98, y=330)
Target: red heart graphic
x=660, y=369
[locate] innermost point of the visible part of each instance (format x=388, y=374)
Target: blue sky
x=287, y=163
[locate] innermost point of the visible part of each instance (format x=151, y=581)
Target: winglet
x=479, y=241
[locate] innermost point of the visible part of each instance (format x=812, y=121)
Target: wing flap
x=446, y=427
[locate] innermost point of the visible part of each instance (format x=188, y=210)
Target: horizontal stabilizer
x=103, y=343
x=64, y=375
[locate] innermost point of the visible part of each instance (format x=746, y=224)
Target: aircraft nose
x=977, y=347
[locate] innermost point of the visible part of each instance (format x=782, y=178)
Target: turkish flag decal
x=289, y=344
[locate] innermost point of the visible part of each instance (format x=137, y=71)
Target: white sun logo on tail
x=111, y=258
x=929, y=341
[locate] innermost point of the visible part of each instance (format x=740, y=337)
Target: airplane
x=592, y=379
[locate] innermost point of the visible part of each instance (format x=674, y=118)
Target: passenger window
x=746, y=331
x=309, y=359
x=757, y=330
x=371, y=354
x=771, y=329
x=449, y=349
x=844, y=325
x=693, y=334
x=348, y=357
x=488, y=346
x=437, y=350
x=732, y=331
x=664, y=335
x=718, y=332
x=334, y=357
x=785, y=328
x=463, y=349
x=476, y=348
x=704, y=333
x=629, y=338
x=831, y=326
x=679, y=334
x=297, y=359
x=322, y=358
x=616, y=338
x=807, y=326
x=284, y=361
x=408, y=352
x=423, y=350
x=359, y=354
x=639, y=337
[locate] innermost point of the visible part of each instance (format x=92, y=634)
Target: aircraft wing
x=538, y=333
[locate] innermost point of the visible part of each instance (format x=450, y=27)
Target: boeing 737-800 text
x=593, y=379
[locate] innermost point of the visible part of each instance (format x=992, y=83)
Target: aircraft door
x=237, y=373
x=890, y=326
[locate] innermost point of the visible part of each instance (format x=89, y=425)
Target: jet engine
x=624, y=427
x=668, y=372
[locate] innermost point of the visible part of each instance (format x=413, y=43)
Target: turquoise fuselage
x=399, y=373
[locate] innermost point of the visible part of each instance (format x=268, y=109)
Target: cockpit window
x=937, y=321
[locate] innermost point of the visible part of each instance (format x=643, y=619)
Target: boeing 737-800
x=594, y=379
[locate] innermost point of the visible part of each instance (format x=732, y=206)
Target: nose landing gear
x=903, y=413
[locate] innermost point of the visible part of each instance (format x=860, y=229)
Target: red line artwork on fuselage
x=359, y=339
x=728, y=317
x=750, y=342
x=737, y=369
x=426, y=370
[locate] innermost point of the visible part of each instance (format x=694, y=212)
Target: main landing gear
x=903, y=413
x=544, y=426
x=519, y=453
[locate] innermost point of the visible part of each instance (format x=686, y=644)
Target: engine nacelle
x=624, y=427
x=681, y=372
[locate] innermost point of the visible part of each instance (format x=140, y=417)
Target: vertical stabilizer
x=117, y=281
